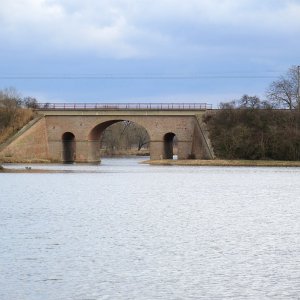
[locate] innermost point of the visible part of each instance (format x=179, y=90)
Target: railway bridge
x=71, y=132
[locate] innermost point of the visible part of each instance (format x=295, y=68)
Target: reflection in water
x=131, y=231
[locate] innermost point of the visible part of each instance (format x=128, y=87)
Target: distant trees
x=137, y=136
x=283, y=93
x=124, y=136
x=246, y=101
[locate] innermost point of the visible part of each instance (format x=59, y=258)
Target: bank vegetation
x=15, y=112
x=254, y=133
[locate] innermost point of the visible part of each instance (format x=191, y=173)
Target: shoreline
x=165, y=162
x=223, y=163
x=5, y=170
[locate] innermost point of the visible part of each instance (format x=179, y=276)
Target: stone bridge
x=72, y=132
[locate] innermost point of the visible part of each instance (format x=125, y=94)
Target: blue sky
x=146, y=50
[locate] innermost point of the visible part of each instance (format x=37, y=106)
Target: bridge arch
x=95, y=134
x=168, y=139
x=68, y=147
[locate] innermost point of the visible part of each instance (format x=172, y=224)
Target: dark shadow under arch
x=68, y=148
x=169, y=145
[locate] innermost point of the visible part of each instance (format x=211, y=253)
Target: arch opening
x=68, y=148
x=170, y=146
x=118, y=138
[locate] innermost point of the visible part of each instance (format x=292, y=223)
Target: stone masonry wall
x=31, y=145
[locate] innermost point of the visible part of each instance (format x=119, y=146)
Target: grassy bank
x=10, y=160
x=28, y=170
x=20, y=117
x=224, y=163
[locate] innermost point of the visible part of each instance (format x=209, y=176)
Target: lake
x=122, y=230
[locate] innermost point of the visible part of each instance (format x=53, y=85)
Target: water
x=128, y=231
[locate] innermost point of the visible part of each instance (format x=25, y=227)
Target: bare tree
x=141, y=137
x=283, y=93
x=137, y=136
x=11, y=94
x=124, y=135
x=247, y=102
x=30, y=102
x=110, y=138
x=10, y=102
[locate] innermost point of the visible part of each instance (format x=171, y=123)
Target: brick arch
x=97, y=130
x=94, y=136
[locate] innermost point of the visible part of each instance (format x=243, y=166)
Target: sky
x=146, y=50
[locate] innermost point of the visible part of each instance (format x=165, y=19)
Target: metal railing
x=124, y=106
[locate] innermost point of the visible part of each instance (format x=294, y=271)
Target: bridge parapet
x=124, y=106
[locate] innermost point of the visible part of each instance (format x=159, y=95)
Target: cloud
x=144, y=28
x=52, y=26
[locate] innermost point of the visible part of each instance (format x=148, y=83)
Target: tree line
x=251, y=128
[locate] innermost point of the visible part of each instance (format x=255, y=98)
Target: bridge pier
x=93, y=151
x=156, y=150
x=184, y=149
